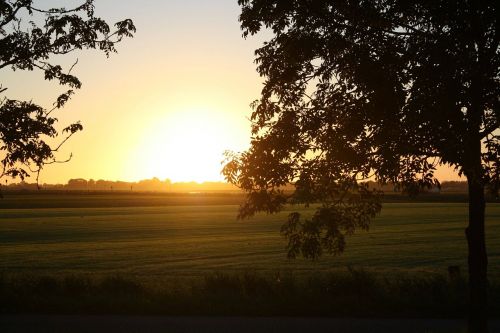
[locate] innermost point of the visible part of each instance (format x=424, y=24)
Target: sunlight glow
x=186, y=145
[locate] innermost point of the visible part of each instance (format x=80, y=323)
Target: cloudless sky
x=167, y=105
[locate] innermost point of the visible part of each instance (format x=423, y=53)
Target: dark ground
x=76, y=324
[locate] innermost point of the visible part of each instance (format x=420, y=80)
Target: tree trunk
x=477, y=259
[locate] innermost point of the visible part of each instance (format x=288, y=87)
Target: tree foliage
x=358, y=90
x=30, y=37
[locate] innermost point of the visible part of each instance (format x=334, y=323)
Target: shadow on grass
x=350, y=293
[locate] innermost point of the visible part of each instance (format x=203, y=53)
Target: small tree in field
x=360, y=90
x=27, y=45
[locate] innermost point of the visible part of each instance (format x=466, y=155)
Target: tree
x=25, y=127
x=371, y=90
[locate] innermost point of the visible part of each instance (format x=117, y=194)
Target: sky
x=173, y=99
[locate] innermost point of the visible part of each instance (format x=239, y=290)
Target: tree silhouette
x=25, y=127
x=362, y=90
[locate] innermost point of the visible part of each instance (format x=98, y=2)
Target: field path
x=144, y=324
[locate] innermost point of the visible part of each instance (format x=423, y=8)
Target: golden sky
x=167, y=105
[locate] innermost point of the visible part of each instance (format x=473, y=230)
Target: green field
x=149, y=236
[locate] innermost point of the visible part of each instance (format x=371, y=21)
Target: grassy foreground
x=68, y=254
x=350, y=293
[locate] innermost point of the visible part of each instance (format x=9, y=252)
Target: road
x=146, y=324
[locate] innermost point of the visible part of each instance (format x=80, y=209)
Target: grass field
x=178, y=237
x=188, y=255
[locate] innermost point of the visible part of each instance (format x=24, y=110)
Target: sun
x=186, y=145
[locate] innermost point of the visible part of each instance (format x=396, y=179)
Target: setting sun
x=186, y=145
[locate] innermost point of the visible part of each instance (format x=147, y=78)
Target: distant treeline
x=146, y=185
x=446, y=186
x=157, y=185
